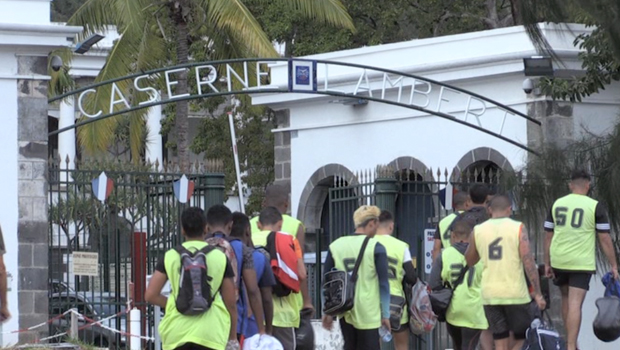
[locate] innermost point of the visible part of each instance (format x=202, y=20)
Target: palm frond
x=326, y=11
x=95, y=16
x=232, y=15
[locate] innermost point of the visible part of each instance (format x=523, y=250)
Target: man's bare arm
x=607, y=246
x=471, y=255
x=436, y=248
x=531, y=270
x=301, y=237
x=548, y=239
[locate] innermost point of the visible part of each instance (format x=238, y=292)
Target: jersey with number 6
x=574, y=220
x=503, y=279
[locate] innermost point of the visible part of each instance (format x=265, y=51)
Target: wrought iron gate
x=123, y=238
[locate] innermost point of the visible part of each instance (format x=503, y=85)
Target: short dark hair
x=269, y=216
x=500, y=202
x=462, y=228
x=219, y=215
x=478, y=193
x=193, y=222
x=276, y=196
x=241, y=222
x=580, y=174
x=459, y=199
x=386, y=216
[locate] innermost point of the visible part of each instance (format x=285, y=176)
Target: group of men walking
x=241, y=284
x=479, y=244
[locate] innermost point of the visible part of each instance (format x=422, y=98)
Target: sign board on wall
x=85, y=264
x=429, y=243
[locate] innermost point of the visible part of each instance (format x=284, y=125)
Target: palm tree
x=159, y=33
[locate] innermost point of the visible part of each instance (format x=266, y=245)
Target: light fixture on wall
x=538, y=66
x=85, y=46
x=351, y=101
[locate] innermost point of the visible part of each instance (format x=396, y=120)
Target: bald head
x=276, y=196
x=500, y=206
x=461, y=230
x=459, y=201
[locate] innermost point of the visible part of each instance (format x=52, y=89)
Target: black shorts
x=575, y=279
x=504, y=319
x=359, y=339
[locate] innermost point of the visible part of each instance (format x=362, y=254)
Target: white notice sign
x=85, y=264
x=429, y=243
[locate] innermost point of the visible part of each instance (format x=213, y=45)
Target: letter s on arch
x=81, y=107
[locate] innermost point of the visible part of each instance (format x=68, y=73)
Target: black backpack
x=194, y=297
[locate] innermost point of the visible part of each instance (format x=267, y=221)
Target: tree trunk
x=182, y=110
x=514, y=7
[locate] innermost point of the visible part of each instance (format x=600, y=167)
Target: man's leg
x=498, y=324
x=349, y=335
x=564, y=295
x=470, y=338
x=286, y=336
x=457, y=336
x=519, y=320
x=486, y=340
x=573, y=319
x=401, y=338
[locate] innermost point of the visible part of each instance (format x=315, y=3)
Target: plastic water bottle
x=385, y=334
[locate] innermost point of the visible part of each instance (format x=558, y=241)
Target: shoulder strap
x=181, y=249
x=358, y=261
x=461, y=277
x=206, y=250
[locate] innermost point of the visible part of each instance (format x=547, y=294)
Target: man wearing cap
x=371, y=308
x=574, y=223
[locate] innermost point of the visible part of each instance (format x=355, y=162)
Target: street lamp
x=85, y=45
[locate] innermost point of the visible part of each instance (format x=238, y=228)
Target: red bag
x=281, y=248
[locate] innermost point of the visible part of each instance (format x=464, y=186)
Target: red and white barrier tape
x=90, y=323
x=38, y=325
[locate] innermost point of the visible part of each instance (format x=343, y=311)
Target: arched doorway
x=314, y=204
x=481, y=165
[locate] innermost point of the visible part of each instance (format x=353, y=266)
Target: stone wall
x=33, y=196
x=282, y=151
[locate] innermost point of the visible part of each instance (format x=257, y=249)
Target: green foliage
x=546, y=178
x=601, y=56
x=600, y=65
x=378, y=22
x=255, y=145
x=62, y=10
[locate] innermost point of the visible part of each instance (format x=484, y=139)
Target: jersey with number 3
x=574, y=220
x=503, y=278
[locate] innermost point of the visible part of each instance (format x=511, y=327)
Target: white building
x=319, y=140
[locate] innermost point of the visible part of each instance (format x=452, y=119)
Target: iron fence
x=100, y=251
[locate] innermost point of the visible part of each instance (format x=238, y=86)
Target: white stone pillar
x=154, y=142
x=66, y=139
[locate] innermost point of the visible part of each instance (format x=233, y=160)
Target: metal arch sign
x=373, y=84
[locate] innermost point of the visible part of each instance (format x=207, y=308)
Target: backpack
x=281, y=249
x=339, y=286
x=194, y=297
x=224, y=245
x=421, y=317
x=542, y=336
